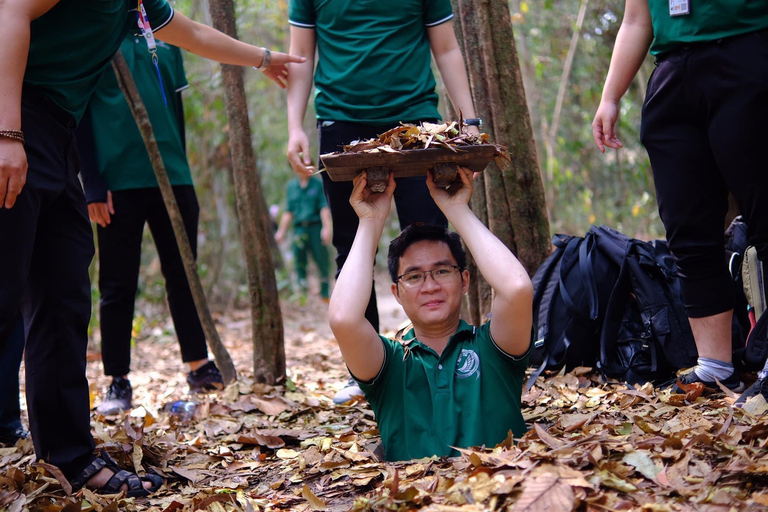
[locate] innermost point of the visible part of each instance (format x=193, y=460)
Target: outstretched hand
x=459, y=193
x=278, y=70
x=368, y=204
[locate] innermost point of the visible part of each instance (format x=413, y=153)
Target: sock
x=708, y=369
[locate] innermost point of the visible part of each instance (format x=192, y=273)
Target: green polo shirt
x=708, y=20
x=374, y=59
x=305, y=203
x=73, y=42
x=468, y=396
x=121, y=156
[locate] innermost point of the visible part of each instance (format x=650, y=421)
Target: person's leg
x=189, y=330
x=10, y=361
x=343, y=217
x=57, y=303
x=738, y=107
x=119, y=260
x=692, y=199
x=320, y=255
x=414, y=204
x=299, y=247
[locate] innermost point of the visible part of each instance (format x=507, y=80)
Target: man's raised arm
x=360, y=345
x=512, y=311
x=210, y=43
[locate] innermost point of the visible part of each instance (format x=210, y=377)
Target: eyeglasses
x=417, y=277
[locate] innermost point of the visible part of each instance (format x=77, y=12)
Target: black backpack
x=610, y=301
x=646, y=336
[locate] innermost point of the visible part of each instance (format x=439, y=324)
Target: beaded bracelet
x=13, y=134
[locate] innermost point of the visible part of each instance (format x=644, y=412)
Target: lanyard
x=149, y=37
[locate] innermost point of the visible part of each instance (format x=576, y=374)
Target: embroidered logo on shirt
x=468, y=364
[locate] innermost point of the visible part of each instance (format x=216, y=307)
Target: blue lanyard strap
x=149, y=37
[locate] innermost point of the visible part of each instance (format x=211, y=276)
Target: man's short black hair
x=417, y=232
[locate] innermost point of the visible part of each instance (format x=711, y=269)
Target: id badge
x=679, y=7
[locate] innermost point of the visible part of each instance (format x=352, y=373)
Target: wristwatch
x=475, y=121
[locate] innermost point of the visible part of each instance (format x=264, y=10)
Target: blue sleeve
x=159, y=12
x=437, y=12
x=301, y=13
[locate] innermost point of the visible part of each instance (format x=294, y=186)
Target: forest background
x=564, y=48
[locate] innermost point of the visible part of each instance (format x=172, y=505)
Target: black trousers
x=705, y=126
x=10, y=361
x=412, y=199
x=119, y=260
x=47, y=245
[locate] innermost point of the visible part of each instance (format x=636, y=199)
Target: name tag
x=679, y=7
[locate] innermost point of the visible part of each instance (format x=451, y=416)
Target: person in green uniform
x=307, y=212
x=122, y=194
x=55, y=54
x=374, y=71
x=703, y=125
x=446, y=384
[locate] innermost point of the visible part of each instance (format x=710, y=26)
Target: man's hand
x=277, y=70
x=457, y=194
x=603, y=127
x=298, y=153
x=325, y=235
x=13, y=171
x=368, y=204
x=100, y=213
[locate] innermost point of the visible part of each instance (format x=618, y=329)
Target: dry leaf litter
x=252, y=447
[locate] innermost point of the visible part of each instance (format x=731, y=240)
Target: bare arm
x=450, y=62
x=299, y=87
x=360, y=345
x=512, y=310
x=285, y=223
x=210, y=43
x=17, y=16
x=326, y=231
x=632, y=43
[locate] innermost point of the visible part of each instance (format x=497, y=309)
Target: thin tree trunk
x=514, y=195
x=128, y=85
x=551, y=137
x=268, y=342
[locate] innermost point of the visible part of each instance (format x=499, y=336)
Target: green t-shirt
x=305, y=203
x=121, y=156
x=468, y=396
x=72, y=43
x=374, y=63
x=708, y=20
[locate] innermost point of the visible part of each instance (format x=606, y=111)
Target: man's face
x=433, y=301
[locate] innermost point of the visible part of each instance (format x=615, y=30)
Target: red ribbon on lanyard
x=149, y=37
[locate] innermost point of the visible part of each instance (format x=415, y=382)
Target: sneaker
x=118, y=398
x=348, y=392
x=206, y=378
x=9, y=438
x=732, y=382
x=757, y=387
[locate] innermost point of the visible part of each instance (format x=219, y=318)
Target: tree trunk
x=268, y=343
x=128, y=85
x=514, y=196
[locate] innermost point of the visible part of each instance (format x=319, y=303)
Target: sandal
x=131, y=480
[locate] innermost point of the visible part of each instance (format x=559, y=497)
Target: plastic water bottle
x=181, y=410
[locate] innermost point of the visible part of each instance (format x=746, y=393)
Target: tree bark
x=268, y=342
x=513, y=195
x=128, y=85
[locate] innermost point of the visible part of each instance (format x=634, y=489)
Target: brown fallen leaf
x=314, y=502
x=545, y=493
x=57, y=474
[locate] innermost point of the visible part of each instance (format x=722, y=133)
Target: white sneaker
x=348, y=392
